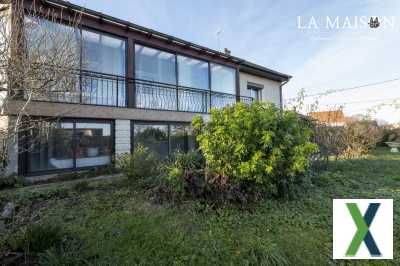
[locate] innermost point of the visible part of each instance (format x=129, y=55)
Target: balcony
x=110, y=90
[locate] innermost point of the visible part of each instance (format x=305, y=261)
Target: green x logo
x=363, y=233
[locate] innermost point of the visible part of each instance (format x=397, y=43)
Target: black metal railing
x=110, y=90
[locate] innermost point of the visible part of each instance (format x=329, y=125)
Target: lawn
x=108, y=223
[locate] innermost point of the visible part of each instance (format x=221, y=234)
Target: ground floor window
x=69, y=144
x=164, y=138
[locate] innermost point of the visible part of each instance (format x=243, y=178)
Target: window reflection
x=223, y=79
x=192, y=72
x=178, y=138
x=52, y=147
x=164, y=139
x=67, y=145
x=152, y=136
x=93, y=144
x=154, y=65
x=103, y=54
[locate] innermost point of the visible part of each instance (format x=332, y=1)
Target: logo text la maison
x=347, y=22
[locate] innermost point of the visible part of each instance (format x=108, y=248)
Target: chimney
x=227, y=51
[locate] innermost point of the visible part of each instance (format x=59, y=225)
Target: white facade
x=270, y=89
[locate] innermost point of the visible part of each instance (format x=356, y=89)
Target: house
x=331, y=118
x=139, y=86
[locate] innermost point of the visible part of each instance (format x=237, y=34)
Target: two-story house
x=139, y=86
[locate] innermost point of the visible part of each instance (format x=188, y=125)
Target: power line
x=347, y=89
x=364, y=101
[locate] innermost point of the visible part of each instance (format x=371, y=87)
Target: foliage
x=11, y=181
x=35, y=69
x=256, y=147
x=352, y=140
x=360, y=137
x=82, y=186
x=67, y=253
x=142, y=168
x=389, y=134
x=184, y=175
x=330, y=141
x=37, y=238
x=119, y=226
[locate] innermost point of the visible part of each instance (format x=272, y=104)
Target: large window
x=152, y=136
x=154, y=65
x=50, y=147
x=93, y=145
x=223, y=79
x=68, y=145
x=56, y=45
x=104, y=54
x=164, y=138
x=193, y=73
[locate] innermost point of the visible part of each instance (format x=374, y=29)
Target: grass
x=120, y=226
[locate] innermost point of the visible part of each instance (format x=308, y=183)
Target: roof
x=336, y=116
x=243, y=64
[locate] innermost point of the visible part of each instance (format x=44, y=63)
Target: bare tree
x=39, y=55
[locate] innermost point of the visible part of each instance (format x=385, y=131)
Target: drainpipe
x=280, y=92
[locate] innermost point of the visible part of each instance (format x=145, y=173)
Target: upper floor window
x=254, y=91
x=155, y=65
x=223, y=79
x=103, y=53
x=193, y=73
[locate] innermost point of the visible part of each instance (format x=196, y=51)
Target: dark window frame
x=24, y=160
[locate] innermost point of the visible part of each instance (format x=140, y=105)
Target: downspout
x=280, y=93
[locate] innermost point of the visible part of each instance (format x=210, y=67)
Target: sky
x=281, y=35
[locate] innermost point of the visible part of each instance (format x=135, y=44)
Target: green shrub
x=142, y=168
x=11, y=181
x=36, y=238
x=185, y=173
x=68, y=252
x=360, y=137
x=257, y=147
x=82, y=186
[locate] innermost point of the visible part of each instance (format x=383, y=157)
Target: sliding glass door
x=69, y=145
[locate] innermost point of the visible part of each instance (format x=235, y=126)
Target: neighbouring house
x=331, y=118
x=139, y=86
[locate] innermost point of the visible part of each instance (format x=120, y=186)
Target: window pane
x=94, y=144
x=152, y=136
x=52, y=147
x=53, y=44
x=154, y=65
x=223, y=79
x=104, y=54
x=254, y=93
x=178, y=138
x=192, y=72
x=191, y=138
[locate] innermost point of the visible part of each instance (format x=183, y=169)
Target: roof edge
x=243, y=64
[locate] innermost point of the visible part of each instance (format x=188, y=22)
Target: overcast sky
x=268, y=33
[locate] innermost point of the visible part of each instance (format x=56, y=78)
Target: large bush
x=352, y=140
x=360, y=138
x=142, y=168
x=183, y=176
x=257, y=147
